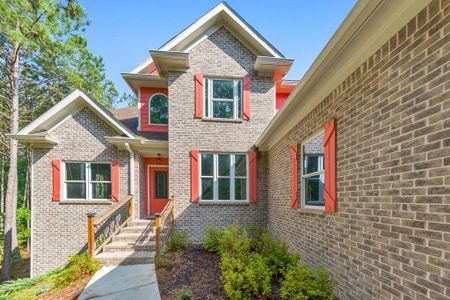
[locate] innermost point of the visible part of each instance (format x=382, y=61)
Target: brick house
x=350, y=166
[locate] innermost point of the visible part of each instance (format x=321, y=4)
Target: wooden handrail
x=161, y=219
x=92, y=222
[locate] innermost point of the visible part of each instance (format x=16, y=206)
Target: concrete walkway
x=123, y=282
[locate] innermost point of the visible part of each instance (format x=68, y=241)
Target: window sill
x=224, y=203
x=222, y=120
x=86, y=202
x=318, y=211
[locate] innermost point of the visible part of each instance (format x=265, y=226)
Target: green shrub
x=183, y=294
x=245, y=276
x=235, y=240
x=23, y=216
x=178, y=241
x=213, y=239
x=78, y=266
x=275, y=251
x=302, y=282
x=162, y=261
x=12, y=287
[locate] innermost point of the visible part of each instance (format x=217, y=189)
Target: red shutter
x=56, y=166
x=246, y=98
x=330, y=165
x=194, y=176
x=294, y=163
x=253, y=176
x=199, y=95
x=115, y=180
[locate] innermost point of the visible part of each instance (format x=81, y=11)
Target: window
x=312, y=173
x=161, y=185
x=159, y=110
x=223, y=176
x=223, y=98
x=87, y=180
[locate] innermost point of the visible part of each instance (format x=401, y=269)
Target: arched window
x=159, y=109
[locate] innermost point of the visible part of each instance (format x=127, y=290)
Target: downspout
x=127, y=146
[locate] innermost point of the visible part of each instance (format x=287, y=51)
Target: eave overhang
x=35, y=140
x=136, y=81
x=272, y=66
x=170, y=61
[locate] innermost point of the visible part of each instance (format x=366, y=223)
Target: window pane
x=223, y=89
x=76, y=190
x=101, y=172
x=160, y=185
x=101, y=190
x=239, y=95
x=224, y=189
x=224, y=165
x=241, y=165
x=223, y=109
x=206, y=98
x=75, y=171
x=207, y=164
x=207, y=188
x=240, y=188
x=311, y=164
x=313, y=191
x=159, y=109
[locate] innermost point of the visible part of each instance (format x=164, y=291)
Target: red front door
x=159, y=188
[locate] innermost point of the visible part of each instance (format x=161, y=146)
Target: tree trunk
x=2, y=186
x=11, y=191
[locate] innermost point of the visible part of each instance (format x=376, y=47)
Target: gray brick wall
x=221, y=54
x=390, y=237
x=58, y=229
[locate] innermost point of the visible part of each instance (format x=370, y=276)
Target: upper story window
x=223, y=98
x=84, y=180
x=312, y=173
x=159, y=110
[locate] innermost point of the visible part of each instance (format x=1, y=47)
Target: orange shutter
x=330, y=165
x=56, y=166
x=194, y=175
x=246, y=98
x=253, y=176
x=199, y=95
x=294, y=163
x=115, y=180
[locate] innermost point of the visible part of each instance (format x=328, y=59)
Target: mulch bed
x=199, y=271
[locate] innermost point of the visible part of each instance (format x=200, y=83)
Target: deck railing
x=162, y=228
x=102, y=229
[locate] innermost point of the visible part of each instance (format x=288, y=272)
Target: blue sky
x=122, y=32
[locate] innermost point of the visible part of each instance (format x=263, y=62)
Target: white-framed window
x=223, y=98
x=223, y=177
x=158, y=112
x=312, y=171
x=87, y=180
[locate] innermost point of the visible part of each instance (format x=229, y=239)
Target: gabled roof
x=73, y=102
x=221, y=15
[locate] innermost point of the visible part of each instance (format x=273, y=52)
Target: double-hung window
x=313, y=177
x=223, y=177
x=223, y=98
x=85, y=180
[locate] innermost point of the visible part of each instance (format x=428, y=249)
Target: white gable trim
x=75, y=95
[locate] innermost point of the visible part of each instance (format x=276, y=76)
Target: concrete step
x=136, y=229
x=126, y=258
x=130, y=246
x=142, y=223
x=134, y=237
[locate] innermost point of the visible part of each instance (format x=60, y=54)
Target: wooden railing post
x=158, y=234
x=91, y=234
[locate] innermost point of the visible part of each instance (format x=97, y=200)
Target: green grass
x=29, y=288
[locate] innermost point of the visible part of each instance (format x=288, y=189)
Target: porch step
x=130, y=247
x=126, y=258
x=134, y=237
x=136, y=229
x=142, y=223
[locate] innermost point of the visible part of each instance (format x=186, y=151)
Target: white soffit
x=369, y=25
x=221, y=14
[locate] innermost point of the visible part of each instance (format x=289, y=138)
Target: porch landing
x=123, y=282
